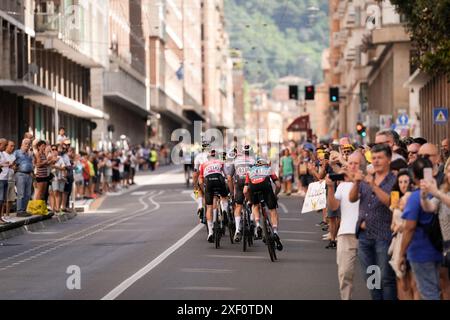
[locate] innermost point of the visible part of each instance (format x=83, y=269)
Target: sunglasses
x=413, y=152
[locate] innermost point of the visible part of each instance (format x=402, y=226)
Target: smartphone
x=395, y=199
x=428, y=174
x=337, y=177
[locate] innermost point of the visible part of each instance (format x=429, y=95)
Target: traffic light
x=309, y=92
x=361, y=130
x=334, y=94
x=293, y=92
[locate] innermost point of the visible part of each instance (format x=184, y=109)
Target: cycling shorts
x=265, y=188
x=239, y=191
x=214, y=185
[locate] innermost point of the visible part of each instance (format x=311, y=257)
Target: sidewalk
x=23, y=225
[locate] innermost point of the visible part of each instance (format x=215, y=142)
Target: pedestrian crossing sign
x=440, y=115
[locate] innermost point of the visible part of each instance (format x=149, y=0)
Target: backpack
x=433, y=231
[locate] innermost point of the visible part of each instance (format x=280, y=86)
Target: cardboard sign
x=316, y=197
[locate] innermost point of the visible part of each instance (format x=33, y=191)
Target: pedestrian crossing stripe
x=441, y=117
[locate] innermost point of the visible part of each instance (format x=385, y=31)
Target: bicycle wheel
x=244, y=232
x=217, y=233
x=267, y=237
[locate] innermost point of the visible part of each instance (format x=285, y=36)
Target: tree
x=428, y=22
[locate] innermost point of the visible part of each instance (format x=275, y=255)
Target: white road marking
x=187, y=191
x=149, y=267
x=235, y=257
x=139, y=193
x=66, y=240
x=283, y=207
x=291, y=219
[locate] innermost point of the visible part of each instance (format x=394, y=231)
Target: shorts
x=11, y=191
x=3, y=190
x=187, y=166
x=265, y=188
x=333, y=214
x=306, y=180
x=288, y=177
x=58, y=186
x=239, y=196
x=41, y=180
x=86, y=182
x=215, y=184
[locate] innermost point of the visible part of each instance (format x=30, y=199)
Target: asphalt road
x=146, y=244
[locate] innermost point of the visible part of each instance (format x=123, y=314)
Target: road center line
x=153, y=264
x=283, y=207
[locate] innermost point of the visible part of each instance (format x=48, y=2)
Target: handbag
x=37, y=207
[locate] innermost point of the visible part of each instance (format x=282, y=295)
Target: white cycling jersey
x=199, y=160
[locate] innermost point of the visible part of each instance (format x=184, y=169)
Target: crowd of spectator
x=388, y=206
x=56, y=173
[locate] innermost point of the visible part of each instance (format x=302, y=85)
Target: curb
x=33, y=224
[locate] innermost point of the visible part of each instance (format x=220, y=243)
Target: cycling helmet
x=246, y=148
x=231, y=154
x=205, y=144
x=212, y=152
x=262, y=162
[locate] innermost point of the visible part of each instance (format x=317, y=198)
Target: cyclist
x=212, y=177
x=241, y=167
x=258, y=179
x=187, y=156
x=200, y=158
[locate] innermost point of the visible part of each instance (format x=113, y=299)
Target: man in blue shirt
x=24, y=178
x=373, y=228
x=424, y=258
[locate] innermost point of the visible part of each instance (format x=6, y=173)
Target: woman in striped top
x=42, y=165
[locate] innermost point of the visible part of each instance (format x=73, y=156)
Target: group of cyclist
x=238, y=176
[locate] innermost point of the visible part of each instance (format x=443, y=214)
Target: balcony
x=125, y=90
x=390, y=34
x=59, y=32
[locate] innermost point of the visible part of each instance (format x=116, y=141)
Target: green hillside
x=278, y=37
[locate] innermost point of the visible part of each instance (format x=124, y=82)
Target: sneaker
x=278, y=241
x=237, y=237
x=210, y=238
x=258, y=235
x=23, y=215
x=325, y=228
x=5, y=220
x=200, y=214
x=320, y=224
x=331, y=245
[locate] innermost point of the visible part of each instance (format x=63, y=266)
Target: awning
x=301, y=124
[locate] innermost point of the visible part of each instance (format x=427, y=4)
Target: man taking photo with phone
x=347, y=243
x=373, y=228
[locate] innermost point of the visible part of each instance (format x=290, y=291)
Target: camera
x=337, y=177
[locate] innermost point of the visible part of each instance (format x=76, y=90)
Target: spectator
x=307, y=158
x=68, y=156
x=78, y=177
x=24, y=179
x=133, y=165
x=287, y=171
x=42, y=170
x=61, y=136
x=374, y=221
x=406, y=287
x=92, y=177
x=153, y=158
x=58, y=182
x=431, y=152
x=440, y=203
x=445, y=150
x=413, y=151
x=8, y=173
x=387, y=137
x=424, y=258
x=108, y=173
x=347, y=243
x=397, y=165
x=116, y=172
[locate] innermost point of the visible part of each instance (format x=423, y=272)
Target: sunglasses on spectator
x=413, y=152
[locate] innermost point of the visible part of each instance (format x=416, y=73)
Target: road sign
x=403, y=119
x=440, y=115
x=385, y=121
